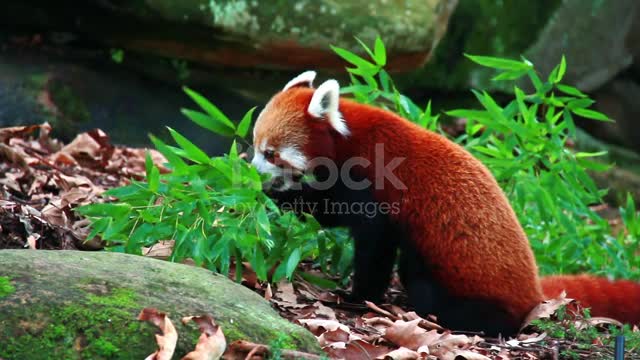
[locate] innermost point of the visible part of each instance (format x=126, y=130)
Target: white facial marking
x=263, y=166
x=305, y=78
x=294, y=157
x=281, y=178
x=324, y=104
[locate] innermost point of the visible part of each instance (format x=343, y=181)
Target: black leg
x=423, y=293
x=375, y=254
x=478, y=315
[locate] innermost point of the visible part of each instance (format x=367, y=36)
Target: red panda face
x=285, y=128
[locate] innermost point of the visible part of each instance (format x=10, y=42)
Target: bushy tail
x=619, y=299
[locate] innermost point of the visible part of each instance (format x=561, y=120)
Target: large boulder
x=600, y=40
x=82, y=305
x=595, y=36
x=248, y=33
x=480, y=27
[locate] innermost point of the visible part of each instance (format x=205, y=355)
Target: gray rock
x=70, y=305
x=593, y=35
x=249, y=33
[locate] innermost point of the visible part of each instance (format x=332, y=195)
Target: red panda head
x=297, y=125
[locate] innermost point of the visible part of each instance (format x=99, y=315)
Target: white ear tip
x=325, y=102
x=331, y=85
x=305, y=78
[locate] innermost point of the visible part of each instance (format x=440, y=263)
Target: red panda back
x=468, y=251
x=454, y=211
x=618, y=299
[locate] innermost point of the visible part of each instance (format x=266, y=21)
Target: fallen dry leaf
x=17, y=131
x=268, y=294
x=358, y=349
x=241, y=349
x=333, y=336
x=167, y=341
x=464, y=355
x=380, y=310
x=409, y=334
x=159, y=250
x=448, y=346
x=320, y=326
x=546, y=309
x=424, y=323
x=286, y=297
x=402, y=353
x=31, y=241
x=211, y=343
x=597, y=321
x=324, y=312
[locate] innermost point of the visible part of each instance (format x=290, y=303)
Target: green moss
x=125, y=298
x=6, y=288
x=102, y=328
x=283, y=341
x=89, y=311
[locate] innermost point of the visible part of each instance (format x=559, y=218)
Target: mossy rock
x=83, y=305
x=481, y=27
x=249, y=33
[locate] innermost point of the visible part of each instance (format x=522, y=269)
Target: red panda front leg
x=375, y=237
x=375, y=253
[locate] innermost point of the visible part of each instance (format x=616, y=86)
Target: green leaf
x=134, y=191
x=208, y=122
x=385, y=81
x=570, y=90
x=243, y=127
x=233, y=151
x=365, y=47
x=593, y=165
x=591, y=114
x=561, y=70
x=580, y=103
x=175, y=161
x=193, y=152
x=470, y=114
x=258, y=263
x=319, y=281
x=535, y=80
x=148, y=162
x=153, y=177
x=499, y=63
x=380, y=52
x=209, y=108
x=510, y=75
x=353, y=58
x=263, y=219
x=292, y=262
x=97, y=226
x=114, y=210
x=590, y=154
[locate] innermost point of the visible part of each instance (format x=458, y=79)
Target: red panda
x=463, y=255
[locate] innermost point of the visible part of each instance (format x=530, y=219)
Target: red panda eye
x=270, y=155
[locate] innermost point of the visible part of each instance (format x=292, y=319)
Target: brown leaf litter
x=43, y=180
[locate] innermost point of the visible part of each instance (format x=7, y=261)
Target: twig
x=261, y=349
x=255, y=350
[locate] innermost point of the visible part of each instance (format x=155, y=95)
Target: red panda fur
x=453, y=211
x=613, y=299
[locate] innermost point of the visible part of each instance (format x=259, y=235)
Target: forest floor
x=43, y=180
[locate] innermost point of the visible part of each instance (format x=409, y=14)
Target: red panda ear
x=324, y=105
x=304, y=79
